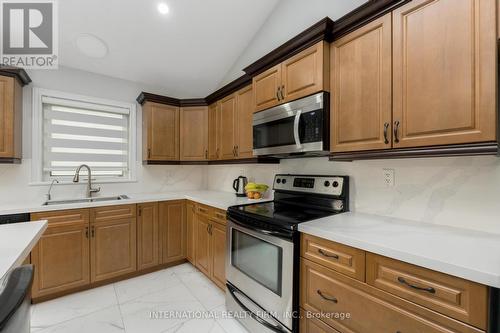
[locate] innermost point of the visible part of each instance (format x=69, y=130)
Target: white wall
x=289, y=18
x=14, y=179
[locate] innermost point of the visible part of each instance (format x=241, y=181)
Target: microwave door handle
x=296, y=134
x=274, y=328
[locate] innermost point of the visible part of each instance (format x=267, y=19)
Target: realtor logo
x=29, y=34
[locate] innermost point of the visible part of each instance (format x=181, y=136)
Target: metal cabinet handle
x=278, y=93
x=93, y=231
x=282, y=90
x=217, y=153
x=140, y=211
x=396, y=130
x=323, y=253
x=326, y=298
x=386, y=128
x=236, y=153
x=149, y=152
x=206, y=154
x=429, y=289
x=87, y=232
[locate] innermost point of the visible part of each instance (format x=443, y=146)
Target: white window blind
x=76, y=133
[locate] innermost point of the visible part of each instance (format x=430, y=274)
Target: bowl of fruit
x=256, y=191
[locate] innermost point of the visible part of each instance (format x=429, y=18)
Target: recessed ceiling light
x=163, y=8
x=91, y=46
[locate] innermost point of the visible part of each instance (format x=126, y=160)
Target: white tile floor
x=126, y=306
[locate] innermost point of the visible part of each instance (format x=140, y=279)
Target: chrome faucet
x=76, y=179
x=48, y=196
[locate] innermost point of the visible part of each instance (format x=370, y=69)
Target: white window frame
x=37, y=133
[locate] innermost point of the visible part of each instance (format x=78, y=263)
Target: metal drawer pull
x=396, y=129
x=331, y=299
x=386, y=128
x=323, y=253
x=429, y=289
x=278, y=93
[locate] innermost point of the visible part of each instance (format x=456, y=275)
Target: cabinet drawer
x=342, y=258
x=108, y=213
x=202, y=209
x=63, y=217
x=328, y=292
x=452, y=296
x=310, y=324
x=217, y=215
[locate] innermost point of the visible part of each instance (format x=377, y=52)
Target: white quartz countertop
x=16, y=242
x=471, y=255
x=217, y=199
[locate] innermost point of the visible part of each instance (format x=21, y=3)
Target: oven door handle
x=274, y=328
x=262, y=231
x=296, y=134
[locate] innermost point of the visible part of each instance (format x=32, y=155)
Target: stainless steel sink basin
x=84, y=200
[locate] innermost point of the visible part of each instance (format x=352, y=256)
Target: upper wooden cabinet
x=244, y=123
x=10, y=120
x=444, y=75
x=160, y=129
x=213, y=125
x=147, y=235
x=227, y=128
x=361, y=88
x=194, y=133
x=172, y=230
x=301, y=75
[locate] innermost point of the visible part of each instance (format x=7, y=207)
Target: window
x=71, y=130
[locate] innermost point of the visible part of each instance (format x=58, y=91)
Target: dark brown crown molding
x=319, y=31
x=472, y=149
x=148, y=97
x=193, y=102
x=229, y=88
x=364, y=14
x=18, y=73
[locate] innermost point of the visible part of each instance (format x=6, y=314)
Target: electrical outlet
x=389, y=177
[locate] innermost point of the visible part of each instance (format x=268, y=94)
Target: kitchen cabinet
x=172, y=230
x=61, y=256
x=194, y=133
x=361, y=105
x=244, y=122
x=228, y=127
x=213, y=126
x=112, y=242
x=160, y=128
x=147, y=235
x=301, y=75
x=190, y=232
x=444, y=74
x=11, y=103
x=218, y=252
x=203, y=249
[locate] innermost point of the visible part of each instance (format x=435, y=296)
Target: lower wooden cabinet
x=172, y=230
x=61, y=256
x=218, y=251
x=190, y=232
x=310, y=324
x=203, y=251
x=113, y=242
x=147, y=235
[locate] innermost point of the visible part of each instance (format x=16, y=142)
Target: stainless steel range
x=262, y=262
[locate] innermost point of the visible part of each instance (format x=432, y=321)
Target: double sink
x=84, y=200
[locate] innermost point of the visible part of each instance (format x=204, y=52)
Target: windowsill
x=84, y=182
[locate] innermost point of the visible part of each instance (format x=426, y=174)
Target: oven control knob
x=327, y=183
x=278, y=180
x=335, y=184
x=284, y=181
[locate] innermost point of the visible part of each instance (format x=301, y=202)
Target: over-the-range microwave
x=294, y=129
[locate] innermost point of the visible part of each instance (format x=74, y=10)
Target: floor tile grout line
x=119, y=309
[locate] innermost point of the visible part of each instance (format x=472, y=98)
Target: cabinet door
x=227, y=128
x=203, y=250
x=444, y=72
x=194, y=133
x=147, y=235
x=265, y=87
x=173, y=230
x=244, y=128
x=306, y=73
x=191, y=232
x=213, y=125
x=61, y=256
x=160, y=132
x=361, y=111
x=6, y=116
x=113, y=242
x=218, y=245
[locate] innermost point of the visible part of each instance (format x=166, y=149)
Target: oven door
x=295, y=127
x=261, y=267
